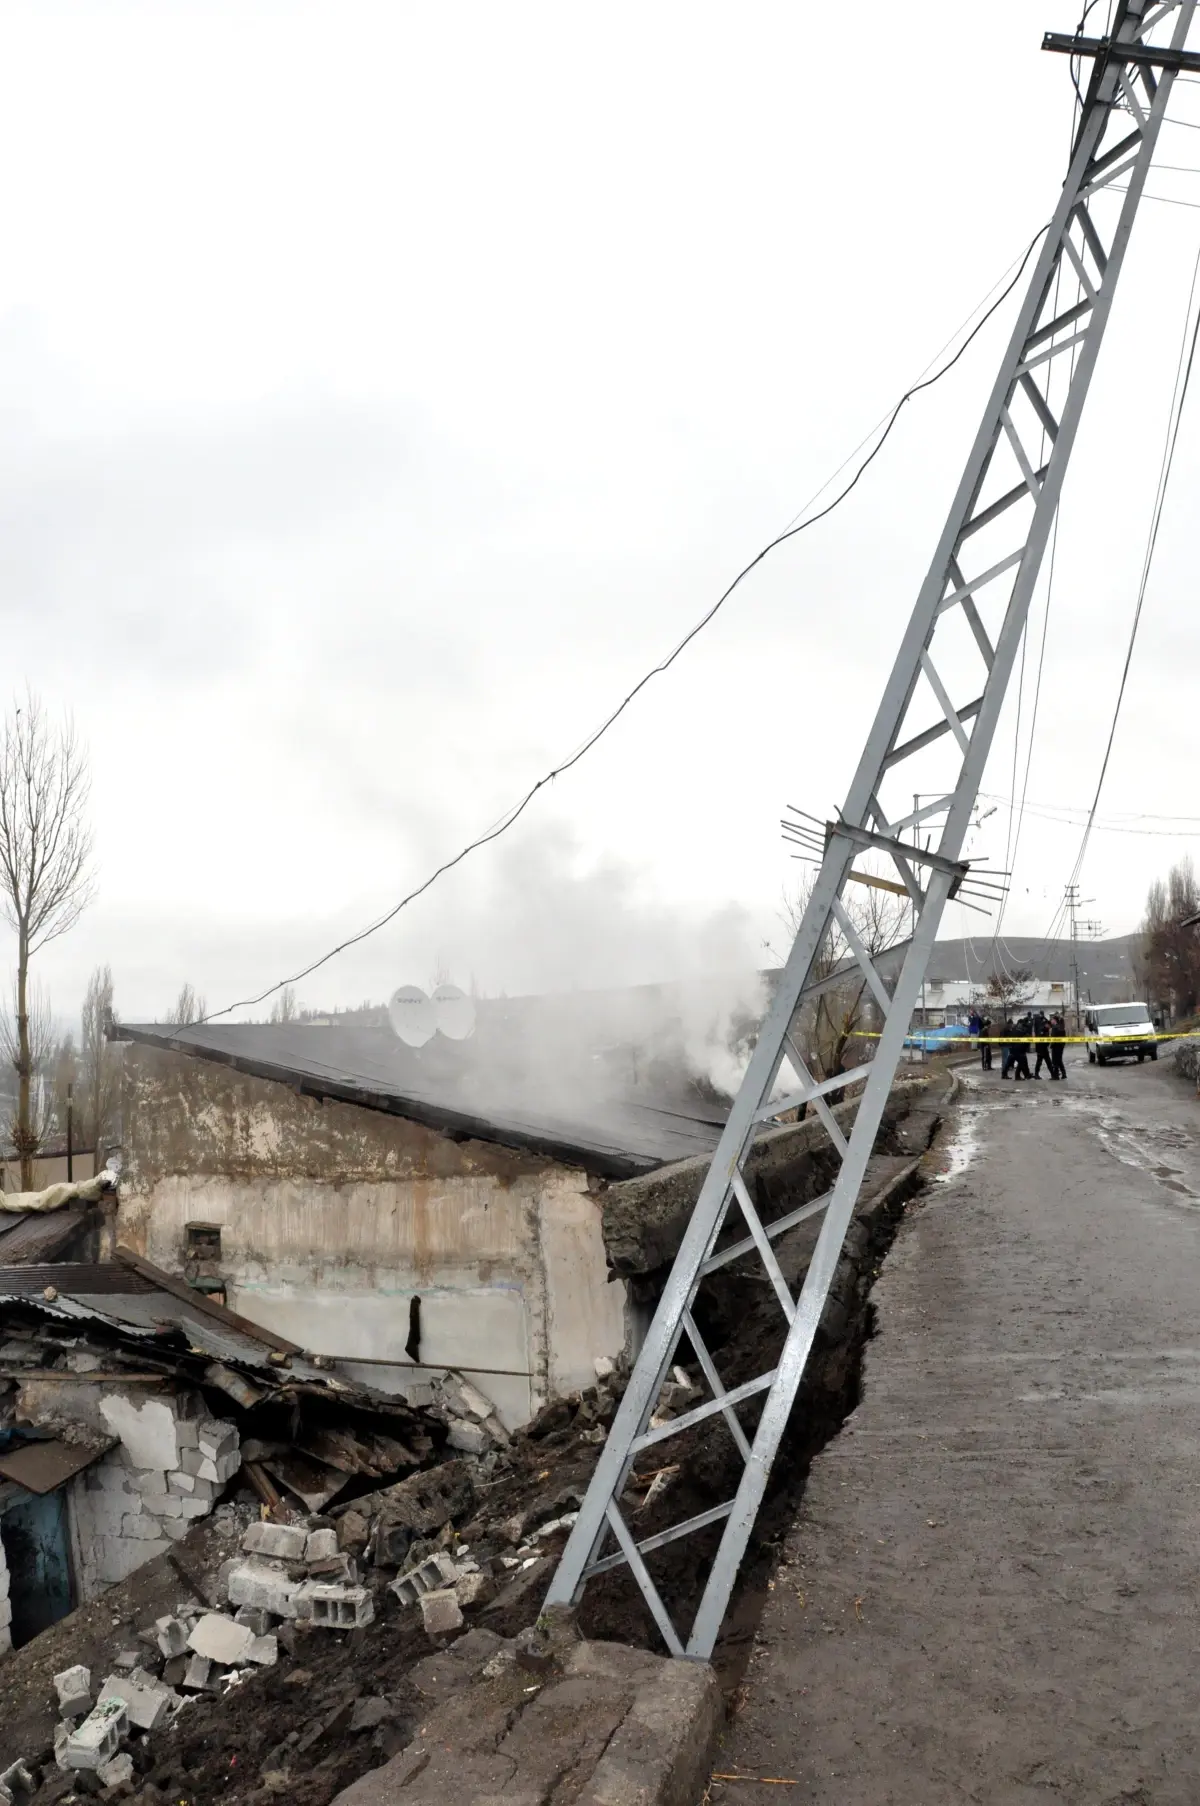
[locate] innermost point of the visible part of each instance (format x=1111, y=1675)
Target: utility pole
x=930, y=724
x=1089, y=930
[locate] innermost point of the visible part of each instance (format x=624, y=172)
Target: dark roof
x=504, y=1085
x=41, y=1235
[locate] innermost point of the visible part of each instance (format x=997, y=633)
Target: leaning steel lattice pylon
x=931, y=736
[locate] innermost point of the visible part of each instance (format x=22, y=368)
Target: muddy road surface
x=992, y=1591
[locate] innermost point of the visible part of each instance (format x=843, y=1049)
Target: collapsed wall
x=155, y=1465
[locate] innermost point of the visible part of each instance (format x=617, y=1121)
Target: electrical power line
x=1013, y=836
x=1183, y=375
x=511, y=816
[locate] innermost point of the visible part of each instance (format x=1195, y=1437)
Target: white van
x=1119, y=1031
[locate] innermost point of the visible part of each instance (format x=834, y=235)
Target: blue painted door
x=34, y=1531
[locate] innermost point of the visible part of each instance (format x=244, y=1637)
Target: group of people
x=1043, y=1033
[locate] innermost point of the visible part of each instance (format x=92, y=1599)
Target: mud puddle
x=1145, y=1147
x=958, y=1143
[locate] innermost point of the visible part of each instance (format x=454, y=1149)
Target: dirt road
x=992, y=1592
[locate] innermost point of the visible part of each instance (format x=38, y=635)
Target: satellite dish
x=455, y=1012
x=412, y=1015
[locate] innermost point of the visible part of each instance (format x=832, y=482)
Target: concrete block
x=280, y=1542
x=604, y=1367
x=254, y=1583
x=264, y=1651
x=216, y=1439
x=17, y=1782
x=195, y=1675
x=353, y=1531
x=441, y=1612
x=428, y=1576
x=187, y=1432
x=339, y=1567
x=74, y=1689
x=114, y=1476
x=140, y=1527
x=171, y=1635
x=189, y=1460
x=176, y=1528
x=220, y=1639
x=162, y=1504
x=464, y=1399
x=469, y=1438
x=474, y=1589
x=256, y=1620
x=321, y=1545
x=190, y=1486
x=334, y=1606
x=149, y=1479
x=144, y=1700
x=391, y=1544
x=194, y=1508
x=221, y=1469
x=147, y=1432
x=96, y=1741
x=117, y=1772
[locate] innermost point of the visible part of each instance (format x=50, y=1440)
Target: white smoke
x=545, y=922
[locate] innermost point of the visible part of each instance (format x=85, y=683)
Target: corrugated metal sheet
x=84, y=1281
x=43, y=1466
x=127, y=1301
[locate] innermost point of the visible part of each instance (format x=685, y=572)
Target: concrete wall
x=334, y=1217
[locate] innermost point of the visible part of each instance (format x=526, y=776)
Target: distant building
x=951, y=1000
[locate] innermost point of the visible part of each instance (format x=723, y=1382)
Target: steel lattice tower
x=932, y=734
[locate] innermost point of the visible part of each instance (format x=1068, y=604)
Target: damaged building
x=399, y=1211
x=129, y=1403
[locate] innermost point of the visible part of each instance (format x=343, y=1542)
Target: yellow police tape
x=1181, y=1034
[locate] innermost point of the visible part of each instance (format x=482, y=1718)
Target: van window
x=1121, y=1013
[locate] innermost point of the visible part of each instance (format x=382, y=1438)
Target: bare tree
x=189, y=1006
x=285, y=1008
x=1010, y=989
x=826, y=1025
x=1170, y=953
x=99, y=1062
x=45, y=877
x=41, y=1052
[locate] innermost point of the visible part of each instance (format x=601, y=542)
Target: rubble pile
x=391, y=1572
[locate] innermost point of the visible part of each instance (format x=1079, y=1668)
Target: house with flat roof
x=405, y=1210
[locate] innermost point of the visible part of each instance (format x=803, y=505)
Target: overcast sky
x=385, y=387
